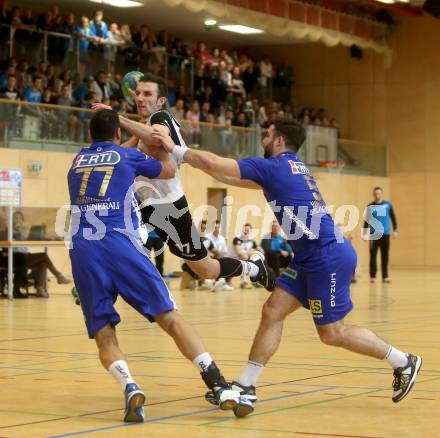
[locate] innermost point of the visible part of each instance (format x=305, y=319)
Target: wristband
x=178, y=153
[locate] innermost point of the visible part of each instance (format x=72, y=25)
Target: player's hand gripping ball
x=129, y=84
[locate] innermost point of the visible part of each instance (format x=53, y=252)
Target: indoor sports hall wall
x=48, y=188
x=398, y=106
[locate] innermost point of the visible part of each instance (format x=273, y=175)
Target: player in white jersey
x=164, y=205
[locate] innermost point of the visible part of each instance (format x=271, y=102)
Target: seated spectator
x=218, y=249
x=24, y=79
x=11, y=71
x=39, y=262
x=10, y=91
x=204, y=111
x=244, y=246
x=276, y=249
x=101, y=86
x=240, y=120
x=33, y=94
x=178, y=110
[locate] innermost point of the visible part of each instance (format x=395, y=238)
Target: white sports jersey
x=219, y=242
x=156, y=191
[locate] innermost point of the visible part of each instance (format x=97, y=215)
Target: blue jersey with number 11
x=296, y=201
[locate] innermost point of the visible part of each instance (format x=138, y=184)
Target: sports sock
x=119, y=370
x=250, y=268
x=396, y=358
x=202, y=361
x=251, y=373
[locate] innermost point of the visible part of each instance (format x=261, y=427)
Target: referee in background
x=379, y=214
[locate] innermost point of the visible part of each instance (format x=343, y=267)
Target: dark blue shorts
x=104, y=269
x=326, y=292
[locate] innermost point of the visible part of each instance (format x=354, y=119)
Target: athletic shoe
x=228, y=399
x=42, y=293
x=266, y=275
x=404, y=377
x=247, y=392
x=387, y=280
x=218, y=285
x=246, y=285
x=134, y=404
x=372, y=280
x=61, y=279
x=227, y=288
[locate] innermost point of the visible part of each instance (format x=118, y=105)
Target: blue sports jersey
x=101, y=186
x=378, y=218
x=297, y=203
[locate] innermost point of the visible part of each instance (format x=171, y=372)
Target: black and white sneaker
x=404, y=377
x=266, y=276
x=246, y=392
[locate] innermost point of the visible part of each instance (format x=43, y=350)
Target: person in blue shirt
x=319, y=276
x=108, y=261
x=276, y=249
x=379, y=216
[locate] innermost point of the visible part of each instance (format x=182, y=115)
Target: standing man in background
x=377, y=230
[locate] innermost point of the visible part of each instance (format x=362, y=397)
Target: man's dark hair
x=217, y=222
x=377, y=188
x=103, y=125
x=35, y=77
x=293, y=132
x=248, y=225
x=203, y=222
x=162, y=90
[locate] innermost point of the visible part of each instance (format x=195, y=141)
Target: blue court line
x=185, y=414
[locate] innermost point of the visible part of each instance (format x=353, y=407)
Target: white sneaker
x=227, y=287
x=219, y=284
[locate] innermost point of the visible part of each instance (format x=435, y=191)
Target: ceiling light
x=210, y=22
x=119, y=3
x=386, y=1
x=238, y=28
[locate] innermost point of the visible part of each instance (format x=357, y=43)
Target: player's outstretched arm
x=237, y=182
x=139, y=130
x=203, y=160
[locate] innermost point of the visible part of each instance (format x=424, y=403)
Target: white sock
x=396, y=358
x=250, y=269
x=119, y=370
x=251, y=373
x=202, y=361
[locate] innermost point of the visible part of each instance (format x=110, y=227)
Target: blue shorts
x=326, y=292
x=104, y=269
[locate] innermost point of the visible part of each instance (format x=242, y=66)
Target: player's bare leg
x=191, y=346
x=113, y=360
x=228, y=267
x=267, y=339
x=363, y=341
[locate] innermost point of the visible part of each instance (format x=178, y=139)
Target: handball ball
x=128, y=82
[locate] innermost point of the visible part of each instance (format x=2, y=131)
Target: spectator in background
x=204, y=111
x=10, y=71
x=33, y=94
x=128, y=47
x=218, y=249
x=10, y=90
x=193, y=127
x=101, y=86
x=69, y=118
x=266, y=73
x=178, y=110
x=236, y=88
x=276, y=249
x=201, y=52
x=23, y=77
x=98, y=35
x=5, y=14
x=244, y=246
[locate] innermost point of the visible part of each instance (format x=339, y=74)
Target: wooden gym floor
x=53, y=385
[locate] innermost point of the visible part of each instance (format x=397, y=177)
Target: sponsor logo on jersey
x=102, y=158
x=333, y=289
x=298, y=168
x=316, y=307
